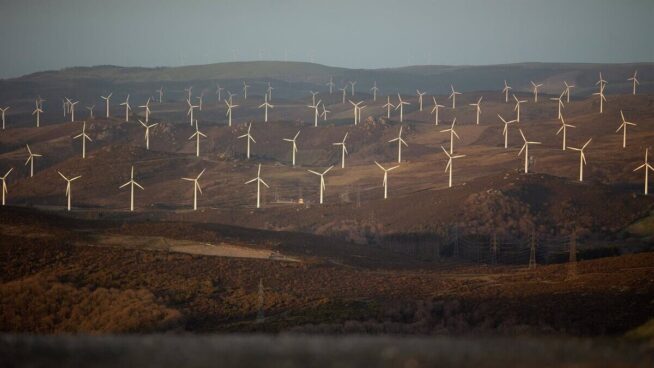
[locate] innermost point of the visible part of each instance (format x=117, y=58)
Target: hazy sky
x=40, y=35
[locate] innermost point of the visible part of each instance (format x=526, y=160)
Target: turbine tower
x=582, y=158
x=450, y=164
x=84, y=137
x=4, y=185
x=132, y=184
x=506, y=90
x=344, y=90
x=634, y=81
x=352, y=84
x=559, y=105
x=259, y=182
x=478, y=108
x=505, y=131
x=324, y=112
x=322, y=180
x=567, y=91
x=400, y=142
x=400, y=105
x=160, y=91
x=197, y=136
x=265, y=105
x=294, y=146
x=623, y=126
x=435, y=110
x=356, y=110
x=147, y=110
x=564, y=128
x=127, y=108
x=248, y=138
x=536, y=87
x=388, y=107
x=315, y=112
x=219, y=91
x=385, y=181
x=37, y=111
x=90, y=108
x=517, y=107
x=343, y=150
x=601, y=97
x=4, y=111
x=30, y=159
x=72, y=110
x=189, y=113
x=245, y=90
x=107, y=98
x=196, y=188
x=452, y=135
x=69, y=192
x=269, y=91
x=453, y=96
x=313, y=97
x=525, y=148
x=646, y=166
x=374, y=90
x=147, y=133
x=420, y=95
x=230, y=107
x=330, y=84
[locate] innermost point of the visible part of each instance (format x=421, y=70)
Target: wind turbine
x=601, y=82
x=190, y=111
x=559, y=104
x=567, y=90
x=5, y=191
x=646, y=166
x=400, y=142
x=37, y=111
x=324, y=112
x=452, y=134
x=359, y=112
x=330, y=84
x=197, y=136
x=294, y=147
x=536, y=87
x=506, y=90
x=147, y=110
x=69, y=192
x=231, y=96
x=505, y=131
x=313, y=97
x=259, y=182
x=374, y=90
x=84, y=137
x=450, y=165
x=265, y=105
x=517, y=107
x=90, y=108
x=269, y=90
x=147, y=133
x=315, y=112
x=352, y=84
x=127, y=108
x=385, y=181
x=343, y=150
x=30, y=160
x=322, y=180
x=219, y=91
x=40, y=101
x=601, y=97
x=635, y=81
x=245, y=90
x=189, y=91
x=230, y=106
x=66, y=105
x=160, y=91
x=400, y=105
x=196, y=188
x=564, y=128
x=525, y=148
x=344, y=90
x=582, y=158
x=132, y=184
x=420, y=95
x=4, y=110
x=200, y=100
x=248, y=138
x=388, y=107
x=435, y=109
x=623, y=126
x=478, y=108
x=356, y=110
x=453, y=96
x=72, y=110
x=107, y=98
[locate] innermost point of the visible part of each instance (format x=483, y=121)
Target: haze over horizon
x=42, y=35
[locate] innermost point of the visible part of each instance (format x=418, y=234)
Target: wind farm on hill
x=281, y=196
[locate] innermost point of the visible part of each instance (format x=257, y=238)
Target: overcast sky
x=38, y=35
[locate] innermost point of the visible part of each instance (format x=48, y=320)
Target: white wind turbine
x=248, y=138
x=601, y=97
x=147, y=133
x=450, y=164
x=230, y=106
x=420, y=95
x=517, y=107
x=265, y=105
x=559, y=105
x=356, y=110
x=69, y=192
x=84, y=137
x=385, y=181
x=106, y=98
x=646, y=166
x=506, y=90
x=160, y=91
x=4, y=111
x=352, y=84
x=72, y=110
x=388, y=107
x=536, y=87
x=197, y=136
x=478, y=108
x=400, y=105
x=189, y=92
x=30, y=159
x=330, y=84
x=359, y=112
x=231, y=96
x=505, y=131
x=343, y=150
x=269, y=90
x=435, y=110
x=400, y=142
x=324, y=112
x=582, y=158
x=374, y=90
x=452, y=135
x=4, y=185
x=313, y=97
x=322, y=180
x=635, y=81
x=200, y=100
x=90, y=108
x=245, y=90
x=344, y=90
x=132, y=184
x=567, y=90
x=147, y=110
x=315, y=112
x=564, y=128
x=623, y=126
x=259, y=182
x=66, y=105
x=219, y=91
x=294, y=146
x=453, y=96
x=525, y=148
x=127, y=108
x=196, y=188
x=190, y=111
x=601, y=82
x=37, y=111
x=40, y=101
